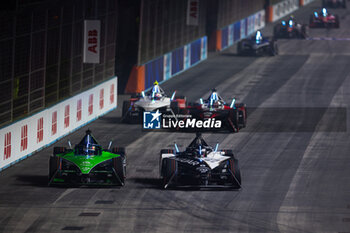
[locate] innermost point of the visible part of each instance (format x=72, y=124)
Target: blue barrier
x=177, y=60
x=224, y=37
x=195, y=51
x=154, y=71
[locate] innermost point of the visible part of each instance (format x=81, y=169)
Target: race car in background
x=334, y=3
x=199, y=165
x=290, y=29
x=324, y=19
x=233, y=115
x=153, y=100
x=257, y=46
x=87, y=164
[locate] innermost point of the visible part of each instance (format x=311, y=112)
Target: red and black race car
x=324, y=19
x=290, y=29
x=334, y=3
x=233, y=115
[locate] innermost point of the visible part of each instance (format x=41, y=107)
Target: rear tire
x=163, y=151
x=169, y=167
x=118, y=166
x=239, y=48
x=126, y=106
x=53, y=166
x=233, y=116
x=234, y=167
x=229, y=153
x=59, y=150
x=311, y=21
x=276, y=31
x=121, y=152
x=174, y=105
x=337, y=21
x=242, y=119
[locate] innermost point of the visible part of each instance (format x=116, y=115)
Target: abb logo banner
x=79, y=110
x=7, y=146
x=40, y=130
x=102, y=93
x=54, y=123
x=91, y=104
x=92, y=41
x=66, y=116
x=111, y=94
x=192, y=12
x=24, y=137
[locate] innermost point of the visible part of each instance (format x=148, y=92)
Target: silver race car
x=153, y=100
x=199, y=165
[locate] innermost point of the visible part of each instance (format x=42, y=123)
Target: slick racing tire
x=53, y=166
x=276, y=31
x=303, y=33
x=174, y=105
x=234, y=168
x=311, y=21
x=118, y=166
x=169, y=167
x=239, y=48
x=336, y=24
x=273, y=48
x=242, y=119
x=163, y=151
x=59, y=150
x=121, y=152
x=229, y=153
x=126, y=106
x=233, y=119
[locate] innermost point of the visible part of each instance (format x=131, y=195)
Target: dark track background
x=293, y=180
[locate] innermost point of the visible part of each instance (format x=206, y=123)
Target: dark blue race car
x=257, y=45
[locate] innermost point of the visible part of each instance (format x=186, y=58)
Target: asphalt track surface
x=295, y=167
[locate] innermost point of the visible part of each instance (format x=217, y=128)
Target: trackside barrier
x=27, y=136
x=167, y=66
x=305, y=2
x=281, y=9
x=228, y=35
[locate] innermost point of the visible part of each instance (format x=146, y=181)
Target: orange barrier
x=136, y=81
x=269, y=14
x=218, y=40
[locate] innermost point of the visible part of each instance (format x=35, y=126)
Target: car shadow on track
x=154, y=183
x=33, y=180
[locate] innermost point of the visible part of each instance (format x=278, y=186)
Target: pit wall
x=27, y=136
x=167, y=66
x=228, y=35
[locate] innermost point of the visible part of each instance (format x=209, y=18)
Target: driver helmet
x=156, y=90
x=90, y=150
x=324, y=12
x=258, y=36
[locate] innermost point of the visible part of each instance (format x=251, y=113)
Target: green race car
x=88, y=164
